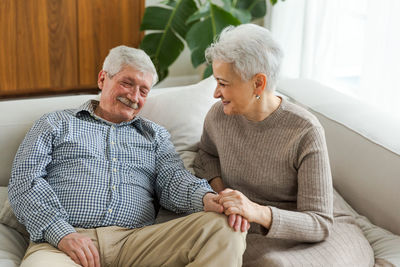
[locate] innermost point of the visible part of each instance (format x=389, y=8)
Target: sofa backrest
x=18, y=116
x=364, y=172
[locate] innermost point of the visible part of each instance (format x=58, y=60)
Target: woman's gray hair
x=251, y=49
x=122, y=56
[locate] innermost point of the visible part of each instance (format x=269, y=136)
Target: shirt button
x=113, y=187
x=115, y=170
x=112, y=142
x=109, y=210
x=114, y=159
x=112, y=127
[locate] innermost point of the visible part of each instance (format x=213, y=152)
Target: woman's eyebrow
x=220, y=79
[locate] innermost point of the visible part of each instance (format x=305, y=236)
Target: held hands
x=237, y=222
x=210, y=202
x=80, y=249
x=237, y=204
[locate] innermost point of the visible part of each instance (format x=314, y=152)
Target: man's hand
x=238, y=223
x=80, y=249
x=235, y=202
x=210, y=202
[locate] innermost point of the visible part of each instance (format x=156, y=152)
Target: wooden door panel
x=40, y=46
x=57, y=46
x=104, y=24
x=8, y=46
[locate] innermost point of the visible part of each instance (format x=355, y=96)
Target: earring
x=258, y=97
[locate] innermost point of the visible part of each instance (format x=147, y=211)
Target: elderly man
x=85, y=183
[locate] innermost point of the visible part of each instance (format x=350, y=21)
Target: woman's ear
x=260, y=83
x=100, y=79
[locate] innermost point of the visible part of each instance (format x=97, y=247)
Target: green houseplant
x=174, y=22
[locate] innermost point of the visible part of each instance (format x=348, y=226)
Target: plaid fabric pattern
x=74, y=169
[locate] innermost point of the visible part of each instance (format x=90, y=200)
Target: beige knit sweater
x=281, y=162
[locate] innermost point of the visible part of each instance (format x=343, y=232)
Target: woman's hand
x=238, y=223
x=235, y=202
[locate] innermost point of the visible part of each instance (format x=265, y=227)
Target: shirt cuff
x=197, y=199
x=56, y=231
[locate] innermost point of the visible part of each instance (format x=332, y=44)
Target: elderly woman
x=268, y=160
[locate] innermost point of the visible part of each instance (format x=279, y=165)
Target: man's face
x=123, y=95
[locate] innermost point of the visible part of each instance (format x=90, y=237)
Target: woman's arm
x=217, y=184
x=235, y=202
x=313, y=218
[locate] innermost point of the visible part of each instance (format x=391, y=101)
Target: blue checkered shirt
x=74, y=169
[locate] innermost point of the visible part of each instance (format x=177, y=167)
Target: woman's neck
x=264, y=107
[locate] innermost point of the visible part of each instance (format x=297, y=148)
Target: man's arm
x=177, y=189
x=32, y=199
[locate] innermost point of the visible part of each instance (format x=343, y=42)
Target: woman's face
x=236, y=95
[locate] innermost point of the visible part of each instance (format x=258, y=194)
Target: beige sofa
x=366, y=174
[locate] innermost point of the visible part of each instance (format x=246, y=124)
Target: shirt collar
x=90, y=106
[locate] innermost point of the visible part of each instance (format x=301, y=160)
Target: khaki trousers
x=200, y=239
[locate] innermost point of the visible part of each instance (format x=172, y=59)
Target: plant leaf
x=243, y=15
x=202, y=13
x=184, y=9
x=171, y=3
x=203, y=32
x=165, y=46
x=150, y=23
x=257, y=8
x=208, y=71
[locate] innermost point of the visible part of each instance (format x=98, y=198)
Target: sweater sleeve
x=206, y=163
x=314, y=216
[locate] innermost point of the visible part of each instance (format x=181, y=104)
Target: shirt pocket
x=80, y=145
x=136, y=154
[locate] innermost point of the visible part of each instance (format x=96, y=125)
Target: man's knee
x=44, y=254
x=219, y=224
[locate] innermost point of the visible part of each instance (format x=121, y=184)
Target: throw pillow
x=181, y=110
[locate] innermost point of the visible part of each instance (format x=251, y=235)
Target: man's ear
x=260, y=83
x=100, y=79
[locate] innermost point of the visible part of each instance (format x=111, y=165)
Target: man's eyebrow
x=128, y=78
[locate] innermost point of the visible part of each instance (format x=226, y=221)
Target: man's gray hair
x=251, y=50
x=122, y=56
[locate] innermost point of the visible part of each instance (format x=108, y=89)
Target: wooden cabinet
x=58, y=46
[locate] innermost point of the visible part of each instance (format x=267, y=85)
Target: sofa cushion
x=3, y=196
x=12, y=247
x=7, y=217
x=386, y=246
x=181, y=110
x=13, y=244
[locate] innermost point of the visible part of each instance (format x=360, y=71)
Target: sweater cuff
x=197, y=198
x=275, y=225
x=56, y=231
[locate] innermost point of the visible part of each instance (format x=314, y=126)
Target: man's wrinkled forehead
x=136, y=76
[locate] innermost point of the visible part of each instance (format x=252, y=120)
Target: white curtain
x=350, y=45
